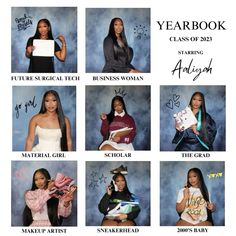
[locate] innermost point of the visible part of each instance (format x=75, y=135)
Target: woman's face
x=120, y=182
x=118, y=27
x=40, y=180
x=43, y=29
x=50, y=103
x=193, y=179
x=118, y=106
x=196, y=101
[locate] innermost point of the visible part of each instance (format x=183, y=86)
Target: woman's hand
x=29, y=50
x=51, y=184
x=121, y=216
x=62, y=39
x=210, y=206
x=186, y=193
x=103, y=116
x=108, y=190
x=68, y=197
x=116, y=139
x=194, y=129
x=135, y=71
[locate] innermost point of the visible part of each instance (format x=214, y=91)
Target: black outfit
x=187, y=140
x=108, y=203
x=117, y=59
x=41, y=64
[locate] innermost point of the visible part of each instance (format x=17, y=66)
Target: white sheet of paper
x=43, y=48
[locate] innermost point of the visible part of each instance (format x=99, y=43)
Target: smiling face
x=43, y=29
x=40, y=180
x=120, y=182
x=196, y=102
x=118, y=27
x=118, y=106
x=193, y=179
x=50, y=103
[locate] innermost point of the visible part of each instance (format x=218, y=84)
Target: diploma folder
x=43, y=48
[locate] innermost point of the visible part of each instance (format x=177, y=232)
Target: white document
x=185, y=118
x=43, y=48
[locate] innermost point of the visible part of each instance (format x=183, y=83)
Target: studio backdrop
x=98, y=176
x=24, y=23
x=21, y=181
x=173, y=177
x=137, y=101
x=137, y=29
x=26, y=102
x=174, y=99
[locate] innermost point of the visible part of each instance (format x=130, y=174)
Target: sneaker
x=122, y=169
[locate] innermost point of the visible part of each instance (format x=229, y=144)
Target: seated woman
x=114, y=216
x=193, y=202
x=118, y=118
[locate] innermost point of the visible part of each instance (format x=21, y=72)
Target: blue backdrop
x=137, y=30
x=26, y=102
x=24, y=22
x=22, y=174
x=175, y=98
x=173, y=177
x=137, y=101
x=98, y=177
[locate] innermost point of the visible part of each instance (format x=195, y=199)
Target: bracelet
x=63, y=45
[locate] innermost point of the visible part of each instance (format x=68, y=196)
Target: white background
x=163, y=58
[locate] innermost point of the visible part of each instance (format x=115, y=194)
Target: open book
x=43, y=48
x=120, y=132
x=185, y=118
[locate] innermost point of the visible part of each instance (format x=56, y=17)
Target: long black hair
x=203, y=115
x=203, y=189
x=61, y=117
x=110, y=116
x=52, y=204
x=126, y=189
x=112, y=35
x=47, y=22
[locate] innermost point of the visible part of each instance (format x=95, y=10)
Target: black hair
x=37, y=34
x=61, y=117
x=110, y=116
x=203, y=189
x=126, y=189
x=52, y=204
x=203, y=115
x=112, y=35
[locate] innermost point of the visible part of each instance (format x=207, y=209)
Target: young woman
x=50, y=125
x=40, y=64
x=117, y=118
x=199, y=137
x=41, y=208
x=193, y=203
x=112, y=198
x=118, y=54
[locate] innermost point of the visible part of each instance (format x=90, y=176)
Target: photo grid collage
x=116, y=117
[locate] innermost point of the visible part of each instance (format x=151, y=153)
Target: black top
x=117, y=60
x=108, y=203
x=189, y=141
x=41, y=64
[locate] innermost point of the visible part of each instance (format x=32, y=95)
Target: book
x=185, y=118
x=120, y=132
x=43, y=48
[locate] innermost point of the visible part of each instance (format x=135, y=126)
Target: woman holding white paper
x=50, y=125
x=200, y=136
x=41, y=63
x=117, y=119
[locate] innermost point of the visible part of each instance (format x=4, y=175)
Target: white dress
x=49, y=140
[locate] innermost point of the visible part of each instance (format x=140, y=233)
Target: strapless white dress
x=49, y=140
